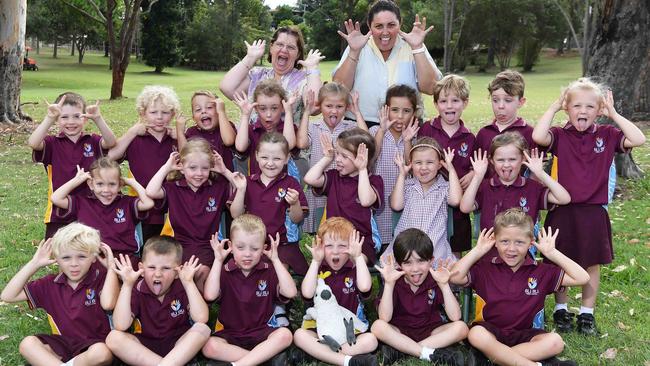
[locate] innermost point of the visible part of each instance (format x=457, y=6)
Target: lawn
x=624, y=295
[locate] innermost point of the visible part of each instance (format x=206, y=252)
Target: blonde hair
x=205, y=93
x=335, y=90
x=508, y=138
x=76, y=236
x=249, y=224
x=513, y=217
x=153, y=93
x=424, y=143
x=163, y=245
x=585, y=84
x=274, y=137
x=335, y=227
x=193, y=146
x=452, y=83
x=104, y=163
x=512, y=82
x=269, y=88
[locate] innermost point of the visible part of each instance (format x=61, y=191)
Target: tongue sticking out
x=157, y=288
x=332, y=120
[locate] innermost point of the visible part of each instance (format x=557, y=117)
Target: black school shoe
x=366, y=359
x=281, y=359
x=586, y=324
x=448, y=356
x=479, y=357
x=563, y=320
x=554, y=361
x=297, y=356
x=390, y=355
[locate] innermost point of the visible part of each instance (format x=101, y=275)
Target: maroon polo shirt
x=247, y=302
x=158, y=320
x=419, y=309
x=146, y=155
x=60, y=157
x=343, y=200
x=195, y=216
x=494, y=197
x=512, y=299
x=268, y=202
x=584, y=159
x=116, y=221
x=487, y=133
x=462, y=142
x=214, y=138
x=255, y=133
x=75, y=313
x=344, y=287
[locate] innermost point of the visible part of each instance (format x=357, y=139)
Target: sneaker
x=280, y=359
x=366, y=359
x=478, y=357
x=390, y=355
x=563, y=320
x=554, y=361
x=586, y=324
x=448, y=356
x=298, y=356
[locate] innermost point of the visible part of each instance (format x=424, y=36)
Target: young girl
x=399, y=111
x=584, y=151
x=106, y=209
x=352, y=192
x=333, y=103
x=148, y=143
x=272, y=193
x=424, y=198
x=195, y=196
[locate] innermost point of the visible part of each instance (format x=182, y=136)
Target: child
x=333, y=103
x=247, y=286
x=352, y=192
x=410, y=320
x=339, y=246
x=400, y=111
x=209, y=114
x=169, y=312
x=148, y=143
x=61, y=154
x=106, y=209
x=584, y=151
x=507, y=188
x=195, y=196
x=513, y=286
x=451, y=96
x=270, y=102
x=70, y=298
x=423, y=199
x=271, y=194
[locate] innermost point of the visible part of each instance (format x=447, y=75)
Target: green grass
x=23, y=192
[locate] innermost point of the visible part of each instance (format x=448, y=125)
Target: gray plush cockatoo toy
x=335, y=324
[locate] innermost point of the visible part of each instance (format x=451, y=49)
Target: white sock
x=586, y=310
x=70, y=362
x=539, y=364
x=426, y=353
x=347, y=361
x=561, y=307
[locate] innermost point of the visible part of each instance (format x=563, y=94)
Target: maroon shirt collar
x=261, y=265
x=569, y=127
x=519, y=122
x=496, y=182
x=258, y=125
x=528, y=261
x=62, y=135
x=258, y=178
x=325, y=267
x=145, y=290
x=183, y=183
x=424, y=286
x=437, y=124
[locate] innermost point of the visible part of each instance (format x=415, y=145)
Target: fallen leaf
x=633, y=241
x=578, y=296
x=622, y=326
x=631, y=311
x=609, y=354
x=3, y=337
x=604, y=335
x=620, y=268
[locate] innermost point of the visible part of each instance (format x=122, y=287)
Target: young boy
x=513, y=287
x=451, y=96
x=71, y=148
x=170, y=313
x=410, y=320
x=338, y=244
x=70, y=298
x=247, y=287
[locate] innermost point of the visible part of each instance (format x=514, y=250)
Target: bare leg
x=562, y=297
x=446, y=335
x=541, y=347
x=307, y=340
x=390, y=335
x=97, y=354
x=38, y=353
x=590, y=289
x=496, y=351
x=129, y=349
x=218, y=349
x=187, y=346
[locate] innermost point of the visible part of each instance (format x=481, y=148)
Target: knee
x=556, y=344
x=115, y=339
x=379, y=327
x=27, y=344
x=460, y=329
x=100, y=354
x=283, y=336
x=201, y=329
x=475, y=336
x=210, y=347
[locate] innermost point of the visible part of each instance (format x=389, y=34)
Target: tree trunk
x=56, y=47
x=12, y=49
x=38, y=46
x=159, y=69
x=619, y=56
x=118, y=82
x=73, y=44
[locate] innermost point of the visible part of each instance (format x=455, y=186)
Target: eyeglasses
x=288, y=47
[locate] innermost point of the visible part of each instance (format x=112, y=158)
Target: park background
x=201, y=45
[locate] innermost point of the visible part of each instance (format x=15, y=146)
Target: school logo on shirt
x=600, y=145
x=212, y=205
x=88, y=150
x=261, y=289
x=281, y=194
x=523, y=203
x=349, y=285
x=463, y=151
x=431, y=295
x=90, y=297
x=177, y=308
x=532, y=287
x=119, y=216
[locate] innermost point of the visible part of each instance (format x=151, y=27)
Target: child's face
x=512, y=244
x=70, y=121
x=450, y=107
x=196, y=169
x=157, y=116
x=425, y=164
x=271, y=159
x=336, y=251
x=269, y=109
x=345, y=160
x=75, y=264
x=159, y=271
x=507, y=161
x=401, y=111
x=105, y=184
x=415, y=268
x=583, y=107
x=505, y=106
x=204, y=112
x=247, y=249
x=333, y=110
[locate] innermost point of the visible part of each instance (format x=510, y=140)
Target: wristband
x=353, y=59
x=419, y=50
x=313, y=72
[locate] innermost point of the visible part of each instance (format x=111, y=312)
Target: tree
x=325, y=17
x=619, y=56
x=284, y=13
x=587, y=33
x=161, y=29
x=12, y=49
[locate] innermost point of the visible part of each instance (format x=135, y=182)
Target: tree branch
x=101, y=19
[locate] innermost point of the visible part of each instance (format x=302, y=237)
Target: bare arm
x=108, y=137
x=441, y=276
x=228, y=133
x=212, y=288
x=111, y=288
x=356, y=41
x=390, y=275
x=154, y=188
x=287, y=287
x=315, y=176
x=236, y=79
x=60, y=197
x=455, y=190
x=296, y=213
x=199, y=311
x=13, y=291
x=37, y=137
x=427, y=72
x=367, y=195
x=238, y=206
x=308, y=285
x=460, y=270
x=302, y=139
x=480, y=165
x=117, y=152
x=541, y=134
x=355, y=244
x=288, y=129
x=633, y=135
x=181, y=123
x=122, y=315
x=558, y=194
x=242, y=140
x=144, y=202
x=397, y=195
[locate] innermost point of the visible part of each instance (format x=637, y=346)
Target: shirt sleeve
x=44, y=156
x=553, y=276
x=38, y=291
x=619, y=137
x=293, y=183
x=330, y=175
x=555, y=137
x=479, y=194
x=377, y=184
x=136, y=214
x=135, y=300
x=97, y=145
x=71, y=211
x=542, y=195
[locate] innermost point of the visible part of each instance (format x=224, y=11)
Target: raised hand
x=546, y=240
x=486, y=240
x=54, y=110
x=82, y=175
x=92, y=111
x=317, y=249
x=479, y=162
x=291, y=196
x=288, y=104
x=355, y=244
x=43, y=255
x=309, y=101
x=559, y=104
x=403, y=168
x=411, y=131
x=384, y=123
x=181, y=120
x=219, y=247
x=220, y=105
x=124, y=269
x=106, y=258
x=388, y=271
x=272, y=253
x=356, y=40
x=608, y=109
x=171, y=131
x=361, y=160
x=415, y=38
x=218, y=165
x=354, y=103
x=449, y=157
x=239, y=181
x=534, y=161
x=442, y=272
x=241, y=99
x=174, y=161
x=255, y=50
x=187, y=271
x=312, y=60
x=326, y=144
x=140, y=129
